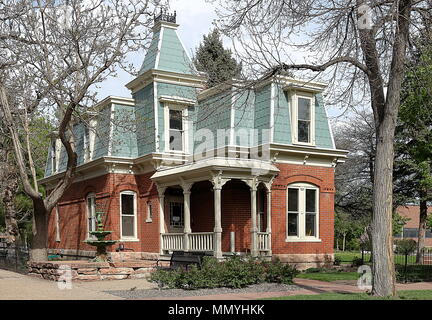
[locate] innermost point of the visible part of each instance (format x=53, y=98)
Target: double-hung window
x=303, y=212
x=128, y=213
x=303, y=119
x=176, y=130
x=91, y=214
x=54, y=156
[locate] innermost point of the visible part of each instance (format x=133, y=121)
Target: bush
x=337, y=261
x=278, y=272
x=235, y=272
x=357, y=262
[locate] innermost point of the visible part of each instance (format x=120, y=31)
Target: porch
x=220, y=211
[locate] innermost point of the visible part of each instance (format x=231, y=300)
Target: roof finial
x=163, y=16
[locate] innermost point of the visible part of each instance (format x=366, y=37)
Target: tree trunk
x=11, y=223
x=38, y=250
x=422, y=227
x=382, y=238
x=343, y=242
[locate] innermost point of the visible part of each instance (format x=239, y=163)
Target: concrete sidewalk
x=15, y=286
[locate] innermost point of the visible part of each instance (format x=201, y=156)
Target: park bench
x=182, y=259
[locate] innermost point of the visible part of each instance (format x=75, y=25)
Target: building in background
x=410, y=230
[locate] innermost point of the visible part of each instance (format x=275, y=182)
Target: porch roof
x=205, y=168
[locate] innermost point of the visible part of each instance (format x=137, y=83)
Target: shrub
x=337, y=261
x=313, y=270
x=279, y=272
x=357, y=262
x=234, y=272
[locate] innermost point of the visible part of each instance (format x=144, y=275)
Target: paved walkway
x=14, y=286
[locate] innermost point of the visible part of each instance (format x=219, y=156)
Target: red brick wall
x=235, y=211
x=324, y=179
x=73, y=215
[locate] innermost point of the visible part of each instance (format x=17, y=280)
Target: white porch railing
x=263, y=241
x=198, y=241
x=201, y=241
x=172, y=241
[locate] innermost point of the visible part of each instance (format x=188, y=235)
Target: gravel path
x=154, y=293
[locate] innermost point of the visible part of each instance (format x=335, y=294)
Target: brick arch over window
x=126, y=187
x=301, y=178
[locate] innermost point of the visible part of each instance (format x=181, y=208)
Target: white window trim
x=294, y=114
x=185, y=124
x=149, y=206
x=55, y=152
x=57, y=221
x=302, y=214
x=135, y=236
x=90, y=195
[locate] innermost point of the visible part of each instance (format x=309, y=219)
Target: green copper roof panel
x=282, y=117
x=124, y=140
x=323, y=137
x=151, y=55
x=144, y=116
x=173, y=56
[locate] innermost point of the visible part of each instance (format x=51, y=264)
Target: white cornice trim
x=144, y=79
x=177, y=100
x=114, y=100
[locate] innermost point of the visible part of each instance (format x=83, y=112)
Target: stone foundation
x=305, y=261
x=92, y=271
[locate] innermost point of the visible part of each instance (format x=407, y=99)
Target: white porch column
x=186, y=204
x=218, y=222
x=269, y=221
x=161, y=192
x=254, y=228
x=218, y=183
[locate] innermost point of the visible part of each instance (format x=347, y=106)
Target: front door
x=176, y=214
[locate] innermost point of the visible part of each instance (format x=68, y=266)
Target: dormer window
x=303, y=116
x=304, y=120
x=54, y=156
x=176, y=130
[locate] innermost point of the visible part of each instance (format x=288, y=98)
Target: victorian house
x=180, y=167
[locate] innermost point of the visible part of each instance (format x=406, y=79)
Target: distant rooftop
x=164, y=16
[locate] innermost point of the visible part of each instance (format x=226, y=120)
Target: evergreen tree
x=211, y=57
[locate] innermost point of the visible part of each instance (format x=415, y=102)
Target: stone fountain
x=100, y=243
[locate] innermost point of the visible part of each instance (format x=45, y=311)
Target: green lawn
x=347, y=257
x=330, y=276
x=402, y=295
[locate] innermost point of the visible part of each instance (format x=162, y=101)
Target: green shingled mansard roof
x=172, y=55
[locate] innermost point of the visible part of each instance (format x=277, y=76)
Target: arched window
x=128, y=215
x=91, y=214
x=302, y=212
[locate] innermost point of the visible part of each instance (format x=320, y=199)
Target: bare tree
x=361, y=47
x=53, y=53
